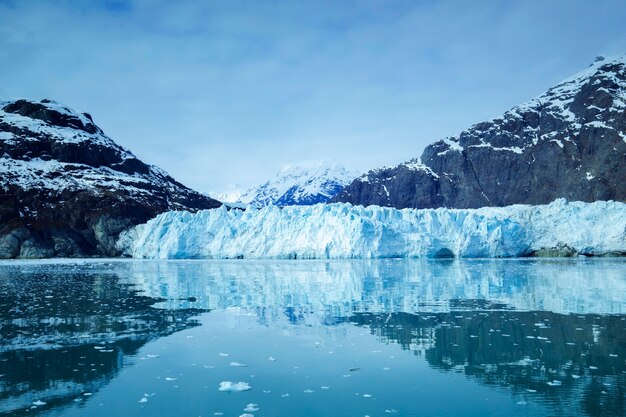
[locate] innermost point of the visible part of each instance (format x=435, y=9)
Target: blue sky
x=228, y=92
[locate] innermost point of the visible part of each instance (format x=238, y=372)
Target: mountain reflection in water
x=551, y=332
x=67, y=330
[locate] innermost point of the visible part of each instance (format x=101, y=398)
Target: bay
x=527, y=337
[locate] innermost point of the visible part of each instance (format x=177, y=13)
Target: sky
x=219, y=93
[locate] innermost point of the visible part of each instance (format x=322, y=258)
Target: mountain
x=66, y=189
x=232, y=195
x=298, y=185
x=570, y=142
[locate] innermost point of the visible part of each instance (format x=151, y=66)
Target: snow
x=61, y=134
x=330, y=231
x=294, y=185
x=514, y=149
x=417, y=165
x=57, y=177
x=232, y=195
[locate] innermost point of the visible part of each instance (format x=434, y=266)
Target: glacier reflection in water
x=338, y=288
x=380, y=337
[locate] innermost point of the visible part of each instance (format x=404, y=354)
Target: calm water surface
x=344, y=338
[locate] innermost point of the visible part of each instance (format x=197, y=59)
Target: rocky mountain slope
x=297, y=186
x=570, y=142
x=66, y=189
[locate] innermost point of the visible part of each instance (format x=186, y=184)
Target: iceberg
x=234, y=386
x=334, y=231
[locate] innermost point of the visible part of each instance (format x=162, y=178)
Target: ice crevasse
x=327, y=231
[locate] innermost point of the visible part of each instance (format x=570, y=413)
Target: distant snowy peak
x=300, y=185
x=230, y=196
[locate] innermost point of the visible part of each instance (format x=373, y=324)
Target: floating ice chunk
x=555, y=383
x=143, y=400
x=271, y=359
x=324, y=387
x=246, y=415
x=224, y=354
x=367, y=396
x=234, y=386
x=39, y=403
x=252, y=407
x=152, y=356
x=575, y=376
x=237, y=364
x=308, y=391
x=169, y=378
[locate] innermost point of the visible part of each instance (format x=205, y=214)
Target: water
x=341, y=338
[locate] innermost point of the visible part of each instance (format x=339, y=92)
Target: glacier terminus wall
x=331, y=231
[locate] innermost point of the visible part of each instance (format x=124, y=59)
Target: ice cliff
x=346, y=231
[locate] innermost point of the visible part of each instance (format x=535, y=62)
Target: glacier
x=341, y=230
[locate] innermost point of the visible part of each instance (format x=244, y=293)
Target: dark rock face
x=66, y=189
x=568, y=143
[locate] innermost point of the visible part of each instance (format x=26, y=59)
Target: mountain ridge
x=67, y=189
x=570, y=142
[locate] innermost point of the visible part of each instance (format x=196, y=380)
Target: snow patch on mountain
x=329, y=231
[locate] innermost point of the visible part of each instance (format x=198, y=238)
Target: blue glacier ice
x=328, y=231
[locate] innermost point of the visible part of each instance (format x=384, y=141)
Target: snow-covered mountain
x=232, y=195
x=66, y=189
x=569, y=142
x=325, y=231
x=295, y=185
